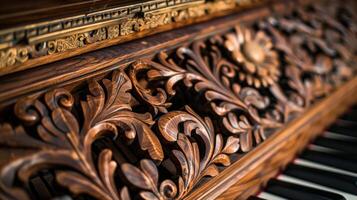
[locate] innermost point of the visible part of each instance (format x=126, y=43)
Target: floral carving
x=193, y=164
x=155, y=128
x=254, y=54
x=320, y=46
x=126, y=22
x=62, y=142
x=11, y=56
x=79, y=40
x=215, y=80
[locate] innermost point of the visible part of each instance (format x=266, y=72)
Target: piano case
x=166, y=99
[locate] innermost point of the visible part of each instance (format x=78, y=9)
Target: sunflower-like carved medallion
x=255, y=56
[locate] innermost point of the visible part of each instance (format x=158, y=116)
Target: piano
x=178, y=99
x=325, y=169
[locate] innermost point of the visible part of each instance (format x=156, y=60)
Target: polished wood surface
x=99, y=62
x=87, y=26
x=246, y=176
x=211, y=110
x=21, y=12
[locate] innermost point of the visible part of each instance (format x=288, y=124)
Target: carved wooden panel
x=37, y=34
x=157, y=127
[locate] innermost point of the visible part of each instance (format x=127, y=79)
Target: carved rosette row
x=154, y=129
x=13, y=56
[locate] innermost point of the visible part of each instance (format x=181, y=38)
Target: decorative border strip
x=16, y=34
x=21, y=44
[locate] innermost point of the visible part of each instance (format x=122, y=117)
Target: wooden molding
x=92, y=64
x=160, y=122
x=35, y=44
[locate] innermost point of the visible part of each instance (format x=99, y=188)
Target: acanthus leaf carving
x=192, y=163
x=214, y=81
x=180, y=115
x=63, y=142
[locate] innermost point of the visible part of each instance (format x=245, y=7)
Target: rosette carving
x=254, y=54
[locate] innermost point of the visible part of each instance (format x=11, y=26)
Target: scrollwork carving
x=13, y=55
x=193, y=164
x=62, y=141
x=215, y=80
x=314, y=46
x=155, y=128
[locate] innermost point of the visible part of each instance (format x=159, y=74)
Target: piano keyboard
x=325, y=170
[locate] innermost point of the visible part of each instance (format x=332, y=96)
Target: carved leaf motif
x=252, y=97
x=147, y=178
x=194, y=166
x=149, y=142
x=23, y=168
x=106, y=168
x=222, y=159
x=115, y=111
x=150, y=170
x=213, y=80
x=106, y=109
x=137, y=177
x=250, y=80
x=316, y=40
x=18, y=137
x=232, y=145
x=156, y=97
x=81, y=185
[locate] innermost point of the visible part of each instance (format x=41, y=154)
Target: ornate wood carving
x=156, y=128
x=279, y=152
x=33, y=41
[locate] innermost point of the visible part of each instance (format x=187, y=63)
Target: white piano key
x=324, y=166
x=322, y=149
x=269, y=196
x=315, y=165
x=332, y=135
x=316, y=186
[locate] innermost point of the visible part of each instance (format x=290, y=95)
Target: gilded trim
x=21, y=44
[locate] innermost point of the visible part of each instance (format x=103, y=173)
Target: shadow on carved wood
x=155, y=128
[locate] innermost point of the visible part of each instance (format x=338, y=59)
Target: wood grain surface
x=207, y=111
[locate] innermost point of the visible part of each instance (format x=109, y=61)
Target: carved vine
x=62, y=142
x=159, y=143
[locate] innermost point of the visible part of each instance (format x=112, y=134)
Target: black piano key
x=340, y=137
x=255, y=198
x=340, y=123
x=349, y=116
x=354, y=107
x=352, y=158
x=343, y=130
x=330, y=160
x=337, y=181
x=348, y=147
x=299, y=192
